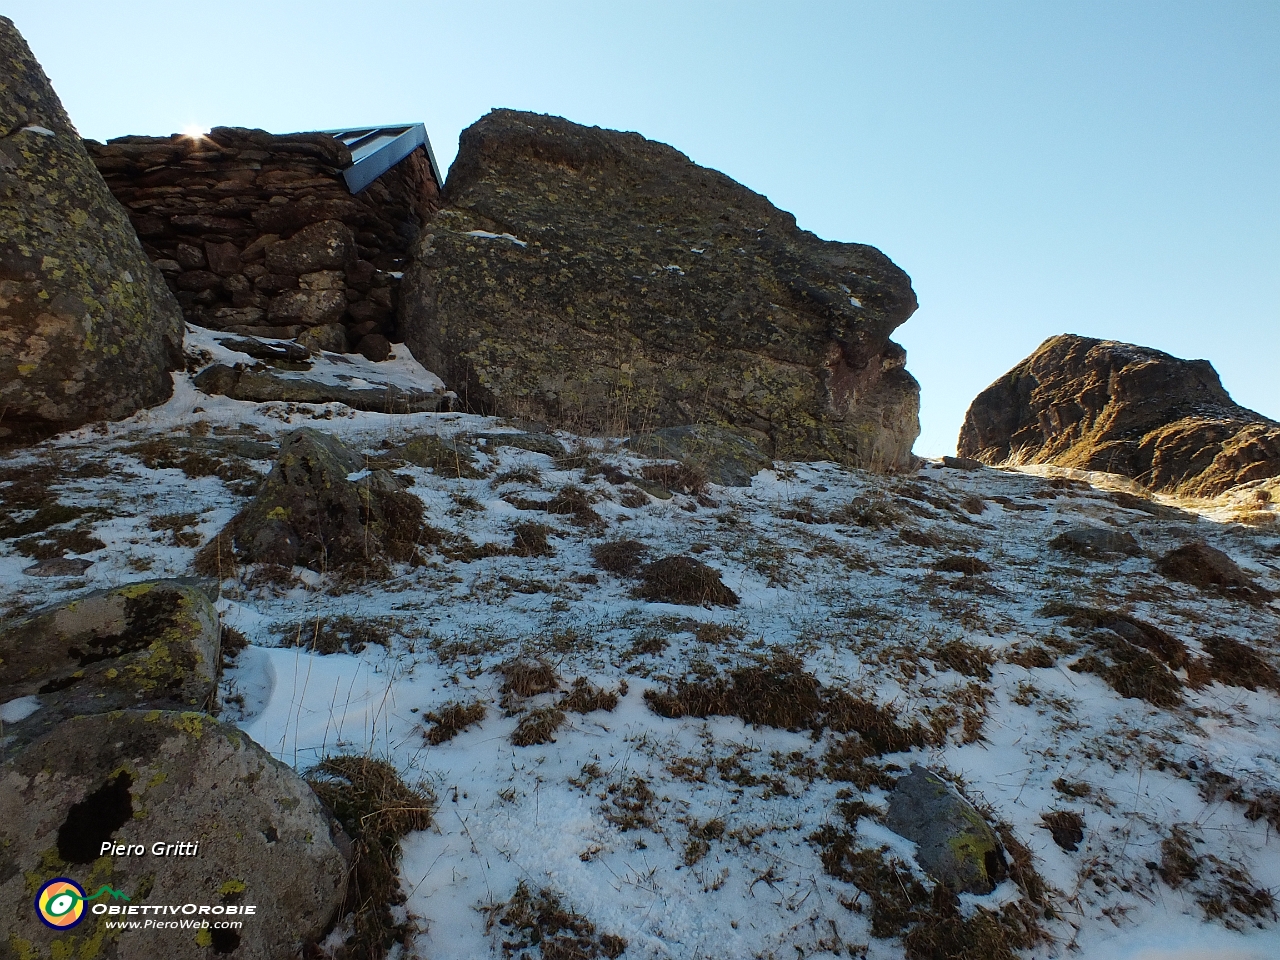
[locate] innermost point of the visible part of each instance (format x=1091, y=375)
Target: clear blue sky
x=1104, y=168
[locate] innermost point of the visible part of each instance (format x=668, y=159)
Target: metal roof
x=375, y=150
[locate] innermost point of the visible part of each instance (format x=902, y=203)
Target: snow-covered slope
x=698, y=837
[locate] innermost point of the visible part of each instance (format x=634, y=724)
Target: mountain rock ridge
x=1120, y=408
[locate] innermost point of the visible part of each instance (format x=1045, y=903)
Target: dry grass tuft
x=619, y=556
x=585, y=697
x=376, y=808
x=538, y=726
x=1066, y=827
x=530, y=540
x=452, y=719
x=342, y=634
x=684, y=580
x=1236, y=664
x=524, y=677
x=964, y=657
x=540, y=925
x=676, y=477
x=962, y=563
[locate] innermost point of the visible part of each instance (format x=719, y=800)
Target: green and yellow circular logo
x=60, y=903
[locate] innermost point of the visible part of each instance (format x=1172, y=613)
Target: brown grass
x=962, y=563
x=684, y=580
x=618, y=556
x=1066, y=827
x=530, y=540
x=1236, y=664
x=585, y=697
x=538, y=726
x=376, y=809
x=540, y=925
x=452, y=719
x=524, y=677
x=341, y=634
x=676, y=477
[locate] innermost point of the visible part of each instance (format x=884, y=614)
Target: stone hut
x=294, y=235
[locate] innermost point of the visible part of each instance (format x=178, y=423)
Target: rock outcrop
x=258, y=233
x=244, y=830
x=599, y=281
x=320, y=508
x=88, y=329
x=1102, y=405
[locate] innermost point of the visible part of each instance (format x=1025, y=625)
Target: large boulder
x=1102, y=405
x=90, y=800
x=88, y=329
x=149, y=644
x=602, y=282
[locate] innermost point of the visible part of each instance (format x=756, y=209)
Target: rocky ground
x=661, y=717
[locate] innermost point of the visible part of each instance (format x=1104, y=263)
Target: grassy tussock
x=534, y=924
x=452, y=719
x=684, y=580
x=376, y=808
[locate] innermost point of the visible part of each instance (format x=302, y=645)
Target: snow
x=19, y=709
x=864, y=609
x=486, y=235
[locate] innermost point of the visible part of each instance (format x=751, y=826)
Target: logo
x=60, y=902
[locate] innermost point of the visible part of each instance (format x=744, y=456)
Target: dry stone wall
x=258, y=234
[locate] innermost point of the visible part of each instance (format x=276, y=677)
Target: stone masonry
x=258, y=233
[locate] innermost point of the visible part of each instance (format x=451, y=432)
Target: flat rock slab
x=956, y=845
x=151, y=644
x=724, y=456
x=261, y=384
x=137, y=778
x=544, y=443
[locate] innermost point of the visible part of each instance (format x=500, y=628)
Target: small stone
x=331, y=337
x=59, y=567
x=375, y=347
x=224, y=258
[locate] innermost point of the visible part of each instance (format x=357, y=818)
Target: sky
x=1110, y=169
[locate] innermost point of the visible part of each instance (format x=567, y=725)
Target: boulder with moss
x=81, y=800
x=320, y=508
x=1102, y=405
x=602, y=282
x=956, y=846
x=150, y=644
x=88, y=329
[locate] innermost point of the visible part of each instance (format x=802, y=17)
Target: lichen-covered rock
x=152, y=644
x=310, y=512
x=88, y=329
x=723, y=456
x=1102, y=405
x=133, y=779
x=602, y=282
x=956, y=846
